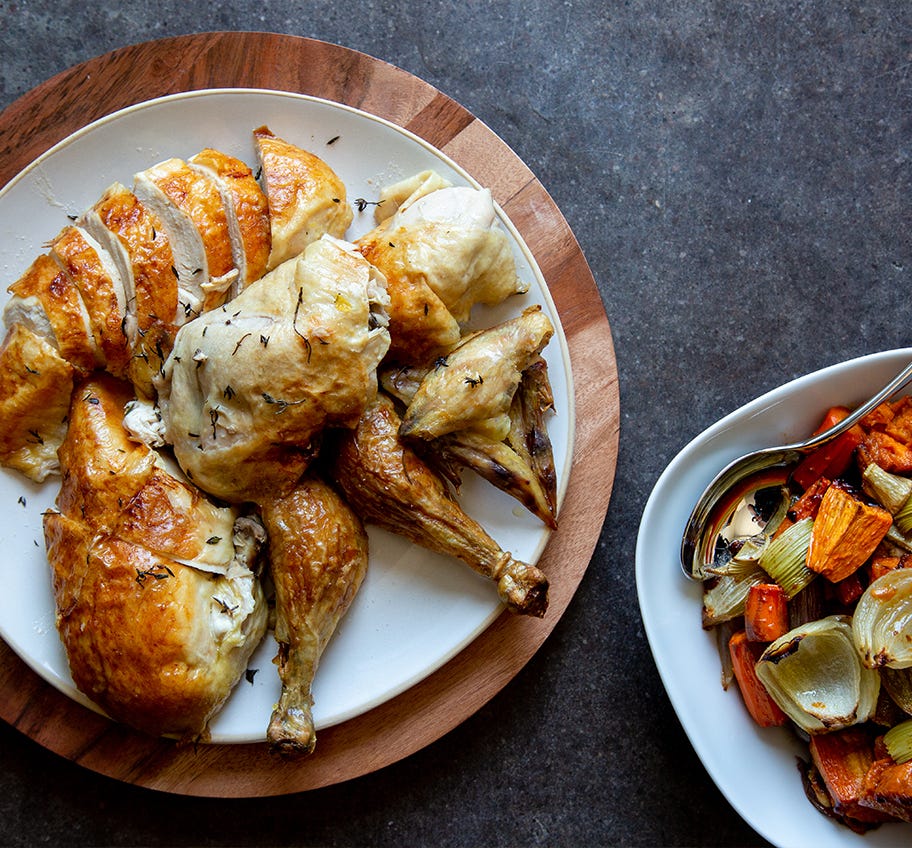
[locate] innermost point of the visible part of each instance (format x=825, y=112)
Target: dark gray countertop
x=738, y=177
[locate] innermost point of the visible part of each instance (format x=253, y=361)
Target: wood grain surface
x=434, y=706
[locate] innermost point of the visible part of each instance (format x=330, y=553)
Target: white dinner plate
x=754, y=768
x=415, y=609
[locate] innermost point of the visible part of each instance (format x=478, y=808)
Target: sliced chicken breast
x=191, y=210
x=44, y=301
x=306, y=198
x=247, y=210
x=91, y=269
x=35, y=387
x=139, y=245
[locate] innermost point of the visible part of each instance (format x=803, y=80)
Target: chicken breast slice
x=193, y=214
x=137, y=242
x=44, y=300
x=91, y=269
x=35, y=387
x=248, y=214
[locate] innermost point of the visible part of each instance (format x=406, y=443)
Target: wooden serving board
x=436, y=705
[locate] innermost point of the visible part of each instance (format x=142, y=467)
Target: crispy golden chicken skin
x=389, y=485
x=317, y=558
x=307, y=200
x=156, y=604
x=35, y=386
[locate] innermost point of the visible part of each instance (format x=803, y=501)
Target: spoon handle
x=856, y=415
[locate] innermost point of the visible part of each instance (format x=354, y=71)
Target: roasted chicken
x=237, y=328
x=474, y=383
x=114, y=287
x=482, y=406
x=389, y=485
x=250, y=387
x=307, y=200
x=156, y=602
x=441, y=252
x=317, y=558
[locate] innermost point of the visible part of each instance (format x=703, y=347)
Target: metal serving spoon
x=760, y=460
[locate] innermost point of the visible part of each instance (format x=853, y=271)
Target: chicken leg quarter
x=388, y=484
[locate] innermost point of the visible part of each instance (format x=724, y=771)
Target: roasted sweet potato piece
x=888, y=789
x=807, y=505
x=900, y=427
x=843, y=759
x=878, y=418
x=834, y=457
x=889, y=453
x=850, y=589
x=881, y=563
x=846, y=532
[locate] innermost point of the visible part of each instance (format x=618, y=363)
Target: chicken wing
x=389, y=485
x=317, y=558
x=475, y=382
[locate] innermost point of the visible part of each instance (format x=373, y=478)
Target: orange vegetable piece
x=889, y=453
x=807, y=505
x=833, y=458
x=849, y=589
x=844, y=759
x=766, y=612
x=762, y=708
x=846, y=532
x=888, y=789
x=900, y=428
x=882, y=563
x=878, y=418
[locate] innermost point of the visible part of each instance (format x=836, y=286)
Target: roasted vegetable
x=846, y=532
x=744, y=655
x=815, y=676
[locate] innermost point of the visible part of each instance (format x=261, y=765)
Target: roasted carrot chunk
x=833, y=458
x=843, y=759
x=762, y=708
x=807, y=505
x=850, y=589
x=846, y=532
x=766, y=616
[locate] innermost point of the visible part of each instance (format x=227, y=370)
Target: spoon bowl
x=693, y=541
